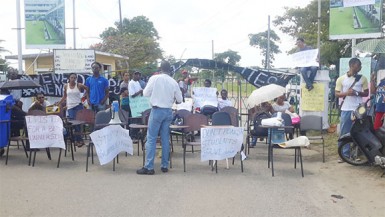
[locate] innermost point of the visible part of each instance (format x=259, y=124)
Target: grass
x=35, y=33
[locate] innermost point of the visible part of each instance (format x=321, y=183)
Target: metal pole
x=318, y=34
x=267, y=63
x=19, y=48
x=74, y=23
x=120, y=17
x=212, y=56
x=354, y=47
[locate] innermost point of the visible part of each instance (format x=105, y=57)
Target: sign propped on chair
x=219, y=143
x=110, y=141
x=45, y=131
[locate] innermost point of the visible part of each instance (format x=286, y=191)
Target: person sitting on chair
x=224, y=101
x=40, y=103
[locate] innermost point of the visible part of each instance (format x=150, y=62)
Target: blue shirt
x=380, y=95
x=97, y=87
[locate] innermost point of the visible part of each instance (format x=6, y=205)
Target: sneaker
x=165, y=170
x=145, y=171
x=340, y=161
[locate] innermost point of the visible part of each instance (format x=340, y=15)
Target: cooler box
x=6, y=103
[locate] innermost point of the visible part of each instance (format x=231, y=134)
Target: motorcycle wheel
x=356, y=156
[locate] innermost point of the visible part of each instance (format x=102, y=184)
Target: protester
x=72, y=97
x=308, y=73
x=379, y=100
x=223, y=101
x=281, y=105
x=40, y=103
x=17, y=118
x=163, y=91
x=264, y=107
x=134, y=88
x=125, y=100
x=351, y=87
x=97, y=89
x=185, y=83
x=126, y=80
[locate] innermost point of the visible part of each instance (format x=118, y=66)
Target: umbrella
x=372, y=46
x=19, y=84
x=264, y=94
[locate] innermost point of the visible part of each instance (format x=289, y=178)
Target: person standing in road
x=351, y=87
x=98, y=89
x=134, y=88
x=163, y=90
x=308, y=73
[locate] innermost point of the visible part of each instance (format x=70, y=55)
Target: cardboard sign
x=305, y=58
x=138, y=105
x=45, y=131
x=219, y=143
x=313, y=100
x=205, y=96
x=110, y=141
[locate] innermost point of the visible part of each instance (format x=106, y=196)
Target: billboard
x=44, y=24
x=72, y=60
x=355, y=19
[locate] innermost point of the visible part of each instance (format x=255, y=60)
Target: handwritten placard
x=45, y=131
x=219, y=143
x=205, y=96
x=313, y=100
x=110, y=141
x=138, y=105
x=305, y=58
x=70, y=60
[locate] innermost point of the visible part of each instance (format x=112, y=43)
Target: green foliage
x=302, y=22
x=137, y=39
x=260, y=41
x=230, y=57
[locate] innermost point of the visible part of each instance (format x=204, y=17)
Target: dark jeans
x=308, y=75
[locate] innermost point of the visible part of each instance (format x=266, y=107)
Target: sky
x=187, y=27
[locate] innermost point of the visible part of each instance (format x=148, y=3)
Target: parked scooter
x=363, y=145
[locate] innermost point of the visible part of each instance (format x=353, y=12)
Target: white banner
x=78, y=61
x=305, y=58
x=110, y=141
x=45, y=131
x=205, y=96
x=219, y=143
x=352, y=3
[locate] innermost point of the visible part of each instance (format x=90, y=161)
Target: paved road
x=45, y=190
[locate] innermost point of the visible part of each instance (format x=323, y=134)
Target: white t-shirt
x=133, y=87
x=343, y=84
x=163, y=91
x=223, y=103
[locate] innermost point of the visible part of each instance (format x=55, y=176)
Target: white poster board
x=305, y=58
x=205, y=96
x=45, y=131
x=78, y=61
x=110, y=141
x=138, y=105
x=219, y=143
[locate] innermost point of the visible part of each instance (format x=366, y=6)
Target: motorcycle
x=363, y=145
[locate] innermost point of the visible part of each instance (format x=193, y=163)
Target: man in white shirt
x=224, y=101
x=134, y=88
x=163, y=91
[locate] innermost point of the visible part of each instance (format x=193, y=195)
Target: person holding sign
x=163, y=90
x=72, y=97
x=134, y=88
x=351, y=87
x=308, y=73
x=97, y=89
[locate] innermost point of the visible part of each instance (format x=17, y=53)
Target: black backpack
x=258, y=131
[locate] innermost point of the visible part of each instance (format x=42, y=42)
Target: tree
x=3, y=62
x=260, y=41
x=230, y=57
x=137, y=39
x=303, y=22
